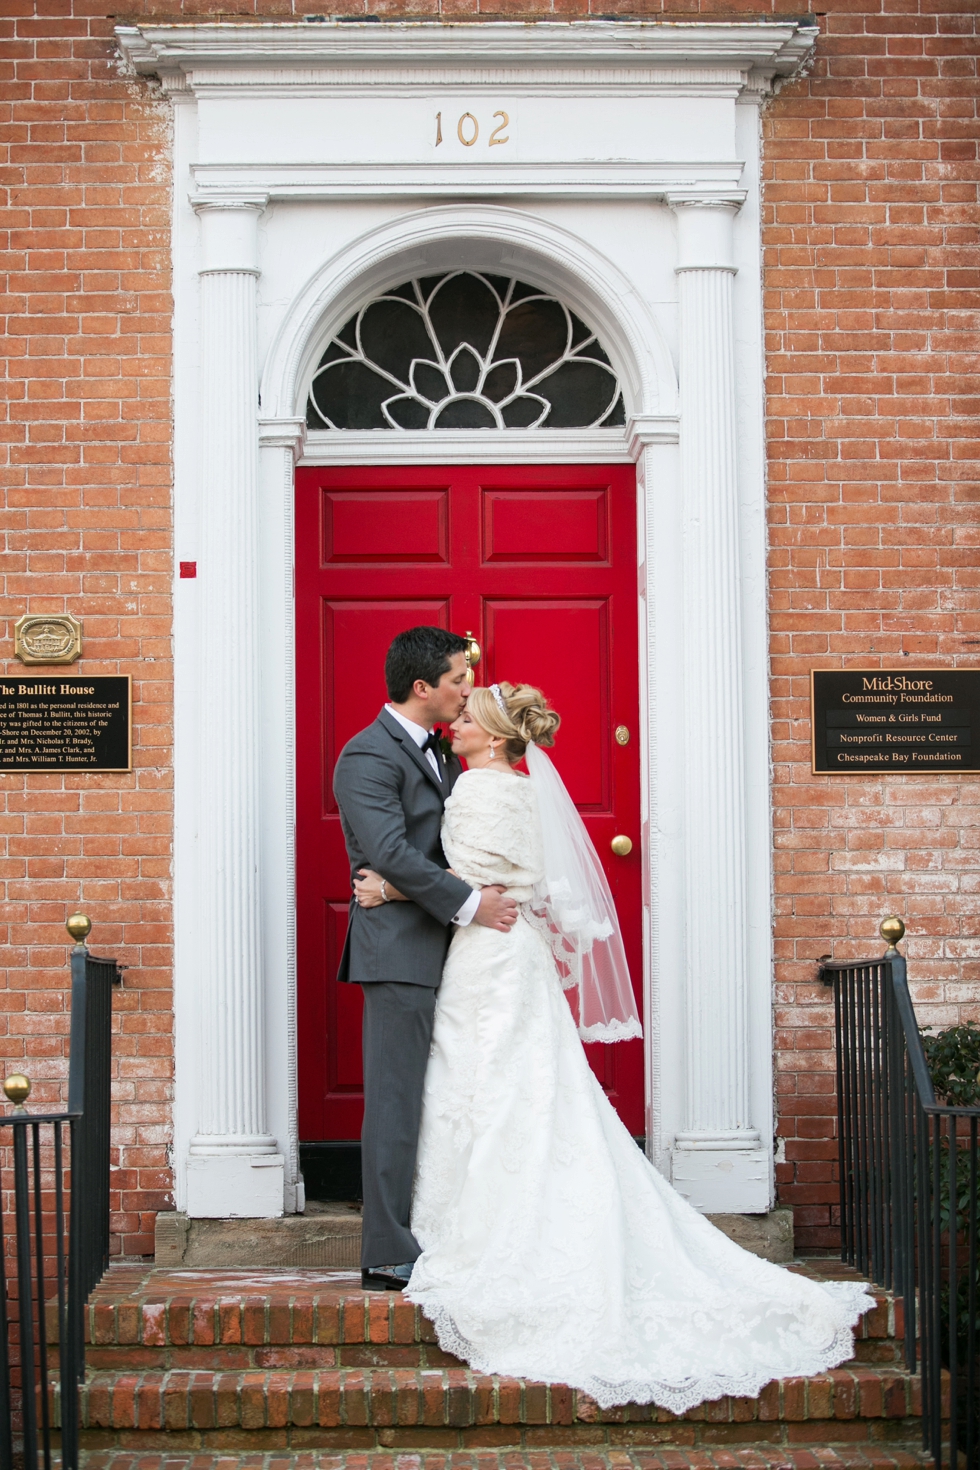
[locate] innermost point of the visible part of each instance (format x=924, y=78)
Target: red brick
x=869, y=211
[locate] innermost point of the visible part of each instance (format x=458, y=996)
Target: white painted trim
x=217, y=55
x=489, y=446
x=460, y=446
x=483, y=237
x=750, y=380
x=232, y=1131
x=277, y=675
x=613, y=180
x=187, y=621
x=397, y=217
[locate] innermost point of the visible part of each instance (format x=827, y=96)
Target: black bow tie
x=431, y=741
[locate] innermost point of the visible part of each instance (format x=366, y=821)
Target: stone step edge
x=456, y=1398
x=761, y=1456
x=270, y=1320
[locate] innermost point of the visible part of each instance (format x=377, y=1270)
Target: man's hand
x=367, y=890
x=496, y=911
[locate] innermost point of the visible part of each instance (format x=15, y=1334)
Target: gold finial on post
x=18, y=1090
x=891, y=931
x=79, y=926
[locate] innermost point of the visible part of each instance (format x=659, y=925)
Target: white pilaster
x=234, y=1167
x=719, y=1163
x=280, y=446
x=610, y=118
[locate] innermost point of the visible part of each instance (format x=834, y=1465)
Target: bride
x=551, y=1248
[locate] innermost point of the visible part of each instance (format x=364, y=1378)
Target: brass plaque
x=66, y=723
x=910, y=721
x=47, y=638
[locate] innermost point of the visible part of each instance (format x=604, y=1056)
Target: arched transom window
x=464, y=350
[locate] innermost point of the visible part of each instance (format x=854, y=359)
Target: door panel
x=522, y=634
x=545, y=525
x=539, y=562
x=383, y=526
x=354, y=640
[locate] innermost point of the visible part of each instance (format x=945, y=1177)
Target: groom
x=391, y=782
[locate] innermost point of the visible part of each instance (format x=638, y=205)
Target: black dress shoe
x=386, y=1278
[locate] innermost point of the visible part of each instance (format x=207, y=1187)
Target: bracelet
x=384, y=892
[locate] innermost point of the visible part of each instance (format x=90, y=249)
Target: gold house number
x=468, y=129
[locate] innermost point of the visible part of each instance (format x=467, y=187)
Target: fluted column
x=232, y=1169
x=718, y=1127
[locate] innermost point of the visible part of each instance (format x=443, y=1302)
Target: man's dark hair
x=419, y=653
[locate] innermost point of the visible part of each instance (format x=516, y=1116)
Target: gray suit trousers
x=397, y=1034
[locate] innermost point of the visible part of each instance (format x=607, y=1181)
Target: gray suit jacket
x=391, y=811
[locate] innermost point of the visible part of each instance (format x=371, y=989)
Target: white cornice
x=217, y=182
x=657, y=53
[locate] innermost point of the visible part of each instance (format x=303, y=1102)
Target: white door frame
x=284, y=135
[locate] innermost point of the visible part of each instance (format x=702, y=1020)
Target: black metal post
x=6, y=1407
x=22, y=1214
x=42, y=1335
x=905, y=1219
x=69, y=1374
x=973, y=1408
x=79, y=1268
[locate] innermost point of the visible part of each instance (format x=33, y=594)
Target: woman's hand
x=367, y=889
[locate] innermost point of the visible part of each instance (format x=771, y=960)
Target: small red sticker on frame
x=188, y=568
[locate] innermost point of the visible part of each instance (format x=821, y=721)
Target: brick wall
x=85, y=475
x=871, y=300
x=871, y=275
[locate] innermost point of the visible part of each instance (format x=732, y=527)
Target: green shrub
x=954, y=1061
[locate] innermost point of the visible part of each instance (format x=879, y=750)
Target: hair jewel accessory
x=501, y=705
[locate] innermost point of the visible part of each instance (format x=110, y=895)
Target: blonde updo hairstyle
x=528, y=718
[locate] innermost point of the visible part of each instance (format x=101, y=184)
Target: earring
x=493, y=752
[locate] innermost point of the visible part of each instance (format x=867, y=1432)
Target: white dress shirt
x=420, y=735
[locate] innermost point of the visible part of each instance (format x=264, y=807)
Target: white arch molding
x=635, y=139
x=476, y=237
x=503, y=241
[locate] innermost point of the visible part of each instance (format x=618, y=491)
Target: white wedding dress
x=551, y=1248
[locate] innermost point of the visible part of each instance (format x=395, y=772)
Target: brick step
x=736, y=1457
x=238, y=1320
x=374, y=1408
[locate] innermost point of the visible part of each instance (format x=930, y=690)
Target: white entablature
x=274, y=54
x=615, y=164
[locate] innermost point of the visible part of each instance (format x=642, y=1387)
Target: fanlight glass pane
x=464, y=351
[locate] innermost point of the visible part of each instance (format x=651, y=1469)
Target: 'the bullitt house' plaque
x=62, y=724
x=914, y=720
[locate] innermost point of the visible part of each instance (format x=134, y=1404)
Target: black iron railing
x=37, y=1237
x=89, y=1078
x=50, y=1256
x=909, y=1191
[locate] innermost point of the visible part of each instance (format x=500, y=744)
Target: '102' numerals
x=468, y=129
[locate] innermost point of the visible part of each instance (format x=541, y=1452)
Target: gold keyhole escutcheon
x=622, y=735
x=622, y=846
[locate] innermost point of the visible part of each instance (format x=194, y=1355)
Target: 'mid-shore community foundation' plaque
x=867, y=721
x=66, y=724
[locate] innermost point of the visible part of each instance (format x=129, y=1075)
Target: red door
x=539, y=562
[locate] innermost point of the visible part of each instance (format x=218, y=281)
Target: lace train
x=552, y=1249
x=676, y=1398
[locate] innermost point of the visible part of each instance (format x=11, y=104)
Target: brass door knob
x=621, y=846
x=473, y=655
